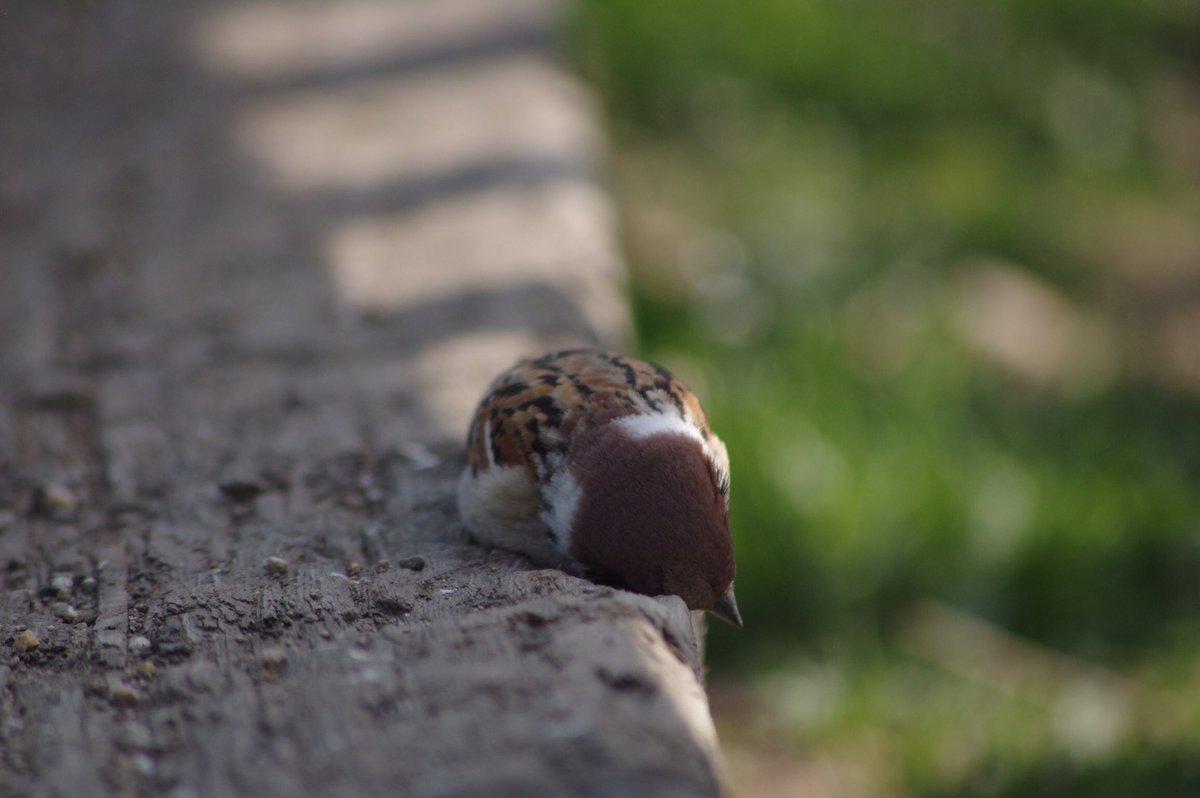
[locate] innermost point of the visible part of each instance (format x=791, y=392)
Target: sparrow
x=605, y=467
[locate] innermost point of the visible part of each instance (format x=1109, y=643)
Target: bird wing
x=532, y=411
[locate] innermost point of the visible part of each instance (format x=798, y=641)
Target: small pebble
x=420, y=456
x=384, y=564
x=412, y=563
x=273, y=658
x=139, y=645
x=276, y=566
x=125, y=696
x=26, y=641
x=66, y=613
x=134, y=736
x=61, y=583
x=144, y=764
x=60, y=498
x=354, y=569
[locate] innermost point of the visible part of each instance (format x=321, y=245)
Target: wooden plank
x=235, y=370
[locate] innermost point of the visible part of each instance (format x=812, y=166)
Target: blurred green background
x=934, y=268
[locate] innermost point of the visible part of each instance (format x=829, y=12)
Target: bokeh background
x=935, y=268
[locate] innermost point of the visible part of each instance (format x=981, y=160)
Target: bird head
x=651, y=512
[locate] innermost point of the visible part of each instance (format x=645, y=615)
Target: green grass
x=825, y=206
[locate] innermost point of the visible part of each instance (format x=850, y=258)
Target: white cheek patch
x=649, y=424
x=645, y=425
x=561, y=497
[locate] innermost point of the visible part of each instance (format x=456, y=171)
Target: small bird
x=605, y=467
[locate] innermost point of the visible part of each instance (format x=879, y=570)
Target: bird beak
x=725, y=608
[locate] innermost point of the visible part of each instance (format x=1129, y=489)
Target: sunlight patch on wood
x=390, y=130
x=557, y=235
x=452, y=375
x=267, y=40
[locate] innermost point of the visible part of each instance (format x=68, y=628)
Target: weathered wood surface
x=256, y=263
